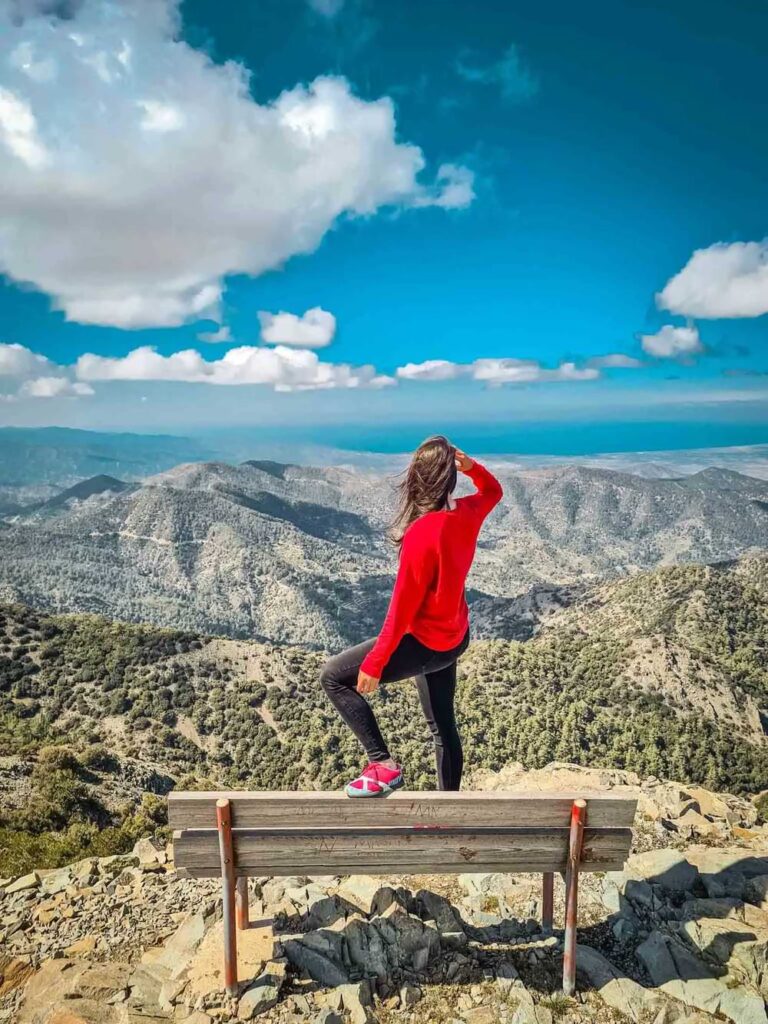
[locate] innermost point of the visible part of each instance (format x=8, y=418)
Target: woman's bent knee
x=328, y=675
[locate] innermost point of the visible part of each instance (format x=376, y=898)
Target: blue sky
x=545, y=187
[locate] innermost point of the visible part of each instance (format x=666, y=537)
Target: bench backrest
x=287, y=833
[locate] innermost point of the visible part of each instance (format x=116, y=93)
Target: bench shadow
x=333, y=942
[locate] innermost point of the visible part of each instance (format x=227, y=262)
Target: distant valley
x=298, y=554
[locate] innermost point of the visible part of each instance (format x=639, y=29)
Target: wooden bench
x=241, y=834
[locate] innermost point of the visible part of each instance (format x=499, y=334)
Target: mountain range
x=298, y=554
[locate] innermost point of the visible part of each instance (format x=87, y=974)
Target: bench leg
x=547, y=902
x=578, y=818
x=241, y=903
x=224, y=825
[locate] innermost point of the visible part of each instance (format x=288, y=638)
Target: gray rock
x=409, y=996
x=725, y=872
x=366, y=947
x=620, y=992
x=57, y=881
x=513, y=991
x=30, y=881
x=263, y=993
x=667, y=868
x=741, y=948
x=683, y=976
x=358, y=1002
x=756, y=891
x=318, y=965
x=151, y=856
x=361, y=891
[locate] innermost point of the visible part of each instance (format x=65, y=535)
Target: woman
x=427, y=626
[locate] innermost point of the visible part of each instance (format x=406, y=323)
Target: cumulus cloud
x=136, y=173
x=18, y=361
x=34, y=376
x=672, y=343
x=314, y=329
x=496, y=372
x=615, y=360
x=54, y=387
x=725, y=280
x=455, y=189
x=222, y=334
x=515, y=80
x=282, y=367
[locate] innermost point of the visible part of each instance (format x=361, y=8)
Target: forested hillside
x=663, y=673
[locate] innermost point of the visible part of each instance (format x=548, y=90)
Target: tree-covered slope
x=664, y=673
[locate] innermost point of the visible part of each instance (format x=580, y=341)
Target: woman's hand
x=463, y=461
x=366, y=683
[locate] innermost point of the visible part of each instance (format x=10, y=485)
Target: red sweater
x=428, y=599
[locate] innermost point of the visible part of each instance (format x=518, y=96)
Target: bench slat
x=466, y=809
x=298, y=851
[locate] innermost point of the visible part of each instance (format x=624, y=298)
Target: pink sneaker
x=375, y=780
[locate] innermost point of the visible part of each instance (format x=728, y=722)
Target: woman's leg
x=339, y=679
x=436, y=693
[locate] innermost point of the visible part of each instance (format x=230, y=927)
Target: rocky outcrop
x=680, y=936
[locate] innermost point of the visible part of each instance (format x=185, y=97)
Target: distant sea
x=560, y=438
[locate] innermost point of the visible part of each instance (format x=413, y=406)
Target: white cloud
x=34, y=376
x=455, y=189
x=725, y=280
x=672, y=342
x=496, y=372
x=431, y=369
x=136, y=174
x=515, y=81
x=54, y=387
x=315, y=329
x=18, y=361
x=615, y=360
x=282, y=367
x=222, y=334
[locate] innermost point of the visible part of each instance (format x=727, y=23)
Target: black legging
x=435, y=674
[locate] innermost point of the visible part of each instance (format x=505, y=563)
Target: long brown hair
x=426, y=484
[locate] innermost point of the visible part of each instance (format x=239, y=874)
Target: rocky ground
x=679, y=937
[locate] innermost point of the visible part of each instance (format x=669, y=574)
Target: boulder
x=57, y=881
x=205, y=968
x=756, y=891
x=30, y=881
x=447, y=920
x=150, y=855
x=411, y=943
x=263, y=993
x=361, y=891
x=725, y=872
x=358, y=1002
x=366, y=947
x=179, y=949
x=623, y=994
x=101, y=981
x=680, y=974
x=322, y=961
x=742, y=948
x=724, y=907
x=73, y=992
x=14, y=973
x=83, y=946
x=667, y=868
